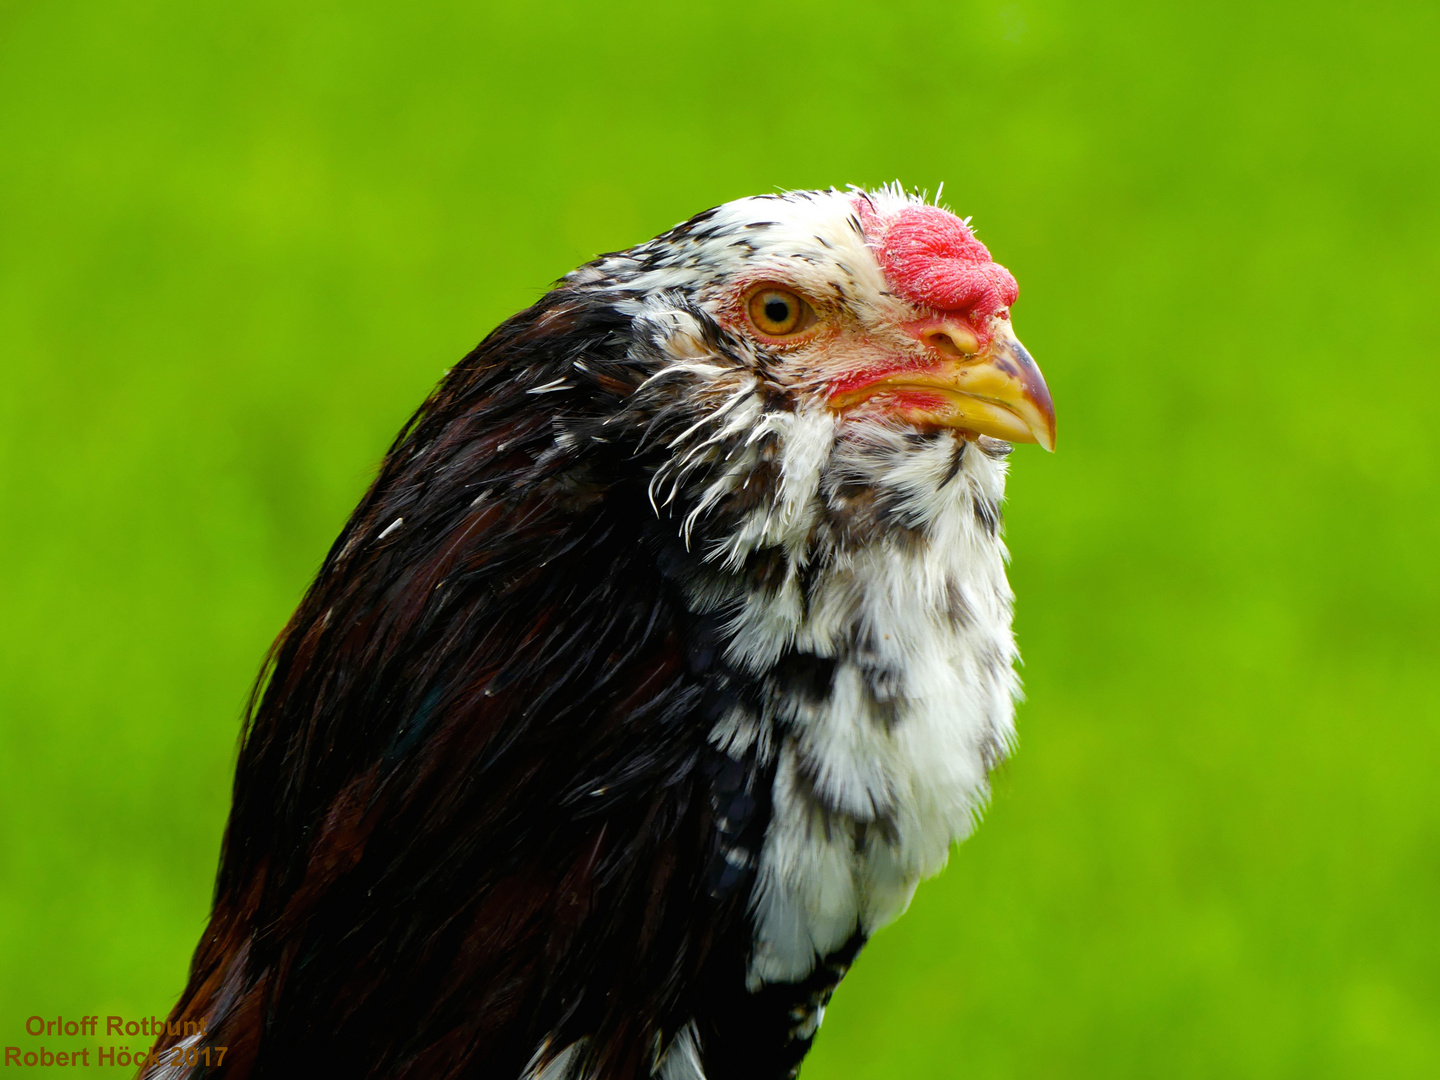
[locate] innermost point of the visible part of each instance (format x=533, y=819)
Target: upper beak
x=996, y=391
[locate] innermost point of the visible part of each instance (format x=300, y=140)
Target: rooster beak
x=1002, y=393
x=996, y=390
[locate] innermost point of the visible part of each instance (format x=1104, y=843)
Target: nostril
x=950, y=342
x=940, y=342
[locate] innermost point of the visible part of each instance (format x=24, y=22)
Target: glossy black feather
x=475, y=807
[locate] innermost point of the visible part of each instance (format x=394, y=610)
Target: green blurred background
x=239, y=242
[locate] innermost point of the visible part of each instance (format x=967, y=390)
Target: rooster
x=669, y=650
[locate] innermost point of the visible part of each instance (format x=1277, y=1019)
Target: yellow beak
x=997, y=391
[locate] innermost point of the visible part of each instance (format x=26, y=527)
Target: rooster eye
x=779, y=312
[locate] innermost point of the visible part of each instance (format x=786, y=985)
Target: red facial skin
x=931, y=259
x=918, y=401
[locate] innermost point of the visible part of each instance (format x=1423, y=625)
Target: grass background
x=239, y=242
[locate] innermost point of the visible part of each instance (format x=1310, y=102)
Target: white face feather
x=810, y=241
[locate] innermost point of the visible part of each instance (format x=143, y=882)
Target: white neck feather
x=894, y=581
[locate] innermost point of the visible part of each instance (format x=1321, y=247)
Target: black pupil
x=777, y=310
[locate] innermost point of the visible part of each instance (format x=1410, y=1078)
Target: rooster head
x=870, y=304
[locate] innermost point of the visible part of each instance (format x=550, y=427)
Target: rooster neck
x=865, y=622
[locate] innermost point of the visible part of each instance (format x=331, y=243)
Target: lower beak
x=998, y=392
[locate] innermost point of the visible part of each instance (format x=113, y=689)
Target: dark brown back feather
x=468, y=810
